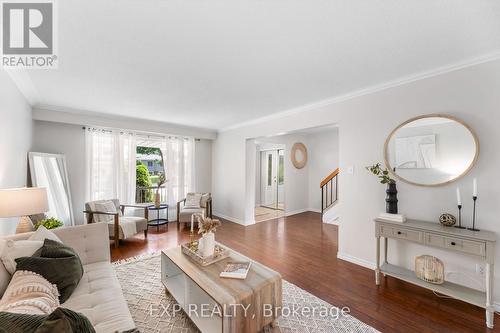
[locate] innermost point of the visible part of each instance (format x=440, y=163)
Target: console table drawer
x=402, y=233
x=457, y=244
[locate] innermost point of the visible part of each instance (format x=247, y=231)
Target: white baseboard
x=357, y=261
x=370, y=265
x=334, y=221
x=294, y=212
x=229, y=218
x=314, y=210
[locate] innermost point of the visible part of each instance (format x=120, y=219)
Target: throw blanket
x=127, y=228
x=61, y=320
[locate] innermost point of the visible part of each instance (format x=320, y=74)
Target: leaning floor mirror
x=49, y=171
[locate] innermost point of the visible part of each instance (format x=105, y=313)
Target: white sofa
x=98, y=295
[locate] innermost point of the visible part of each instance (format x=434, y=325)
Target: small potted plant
x=50, y=223
x=207, y=228
x=384, y=177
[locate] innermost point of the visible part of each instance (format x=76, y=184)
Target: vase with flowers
x=207, y=228
x=391, y=200
x=161, y=180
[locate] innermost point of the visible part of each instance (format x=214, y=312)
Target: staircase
x=329, y=196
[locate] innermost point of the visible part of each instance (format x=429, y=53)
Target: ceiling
x=215, y=64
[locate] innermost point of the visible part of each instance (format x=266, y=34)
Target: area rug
x=148, y=301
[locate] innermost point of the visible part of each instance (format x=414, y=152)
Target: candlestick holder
x=474, y=198
x=191, y=238
x=459, y=226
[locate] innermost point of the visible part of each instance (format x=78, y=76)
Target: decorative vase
x=208, y=244
x=391, y=201
x=157, y=199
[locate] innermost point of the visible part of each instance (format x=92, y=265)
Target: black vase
x=391, y=201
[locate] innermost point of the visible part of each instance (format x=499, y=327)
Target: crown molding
x=58, y=114
x=370, y=90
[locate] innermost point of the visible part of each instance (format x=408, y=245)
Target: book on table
x=236, y=270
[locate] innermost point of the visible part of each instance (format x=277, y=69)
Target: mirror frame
x=65, y=174
x=435, y=115
x=298, y=146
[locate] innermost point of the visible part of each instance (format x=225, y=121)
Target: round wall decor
x=299, y=155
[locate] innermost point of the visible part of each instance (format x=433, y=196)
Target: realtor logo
x=28, y=35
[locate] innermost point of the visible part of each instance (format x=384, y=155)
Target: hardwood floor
x=304, y=251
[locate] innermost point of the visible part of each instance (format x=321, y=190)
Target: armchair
x=184, y=212
x=112, y=213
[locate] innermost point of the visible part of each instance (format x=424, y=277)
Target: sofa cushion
x=30, y=293
x=185, y=213
x=99, y=297
x=107, y=207
x=57, y=263
x=193, y=200
x=10, y=250
x=141, y=224
x=43, y=233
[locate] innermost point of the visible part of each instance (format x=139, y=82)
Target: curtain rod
x=143, y=134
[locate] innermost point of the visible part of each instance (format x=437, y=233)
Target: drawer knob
x=399, y=232
x=453, y=243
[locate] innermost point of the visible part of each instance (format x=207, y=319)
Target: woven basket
x=429, y=269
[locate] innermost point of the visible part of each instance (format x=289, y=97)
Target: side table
x=158, y=221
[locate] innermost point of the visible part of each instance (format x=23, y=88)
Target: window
x=281, y=167
x=269, y=169
x=149, y=161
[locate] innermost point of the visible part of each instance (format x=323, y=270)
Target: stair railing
x=329, y=187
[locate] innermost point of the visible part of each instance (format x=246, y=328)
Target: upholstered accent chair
x=119, y=225
x=194, y=203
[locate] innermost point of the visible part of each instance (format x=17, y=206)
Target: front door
x=269, y=181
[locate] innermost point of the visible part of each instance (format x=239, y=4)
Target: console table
x=479, y=244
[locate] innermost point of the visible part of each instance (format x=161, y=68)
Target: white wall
x=58, y=138
x=15, y=141
x=323, y=159
x=470, y=94
x=203, y=165
x=69, y=139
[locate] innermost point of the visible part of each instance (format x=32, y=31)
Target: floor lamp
x=15, y=202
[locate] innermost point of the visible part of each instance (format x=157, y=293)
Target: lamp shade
x=23, y=201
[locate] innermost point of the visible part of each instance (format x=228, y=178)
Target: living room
x=150, y=147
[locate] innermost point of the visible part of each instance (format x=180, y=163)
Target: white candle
x=474, y=187
x=459, y=199
x=192, y=223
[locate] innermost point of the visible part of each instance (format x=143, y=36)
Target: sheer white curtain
x=110, y=165
x=178, y=153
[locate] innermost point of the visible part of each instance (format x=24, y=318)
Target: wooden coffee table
x=197, y=287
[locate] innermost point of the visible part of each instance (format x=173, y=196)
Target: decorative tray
x=194, y=253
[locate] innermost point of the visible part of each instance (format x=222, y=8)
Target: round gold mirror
x=299, y=155
x=431, y=150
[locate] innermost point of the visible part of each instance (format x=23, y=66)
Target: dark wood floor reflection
x=304, y=251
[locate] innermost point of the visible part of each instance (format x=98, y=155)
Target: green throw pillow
x=61, y=320
x=56, y=262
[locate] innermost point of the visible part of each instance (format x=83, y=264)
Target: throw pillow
x=11, y=250
x=61, y=320
x=204, y=200
x=43, y=233
x=57, y=263
x=193, y=200
x=29, y=293
x=107, y=207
